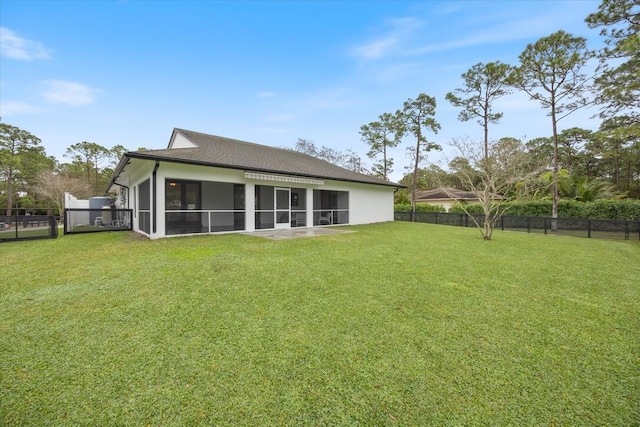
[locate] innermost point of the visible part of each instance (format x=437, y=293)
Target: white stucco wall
x=367, y=203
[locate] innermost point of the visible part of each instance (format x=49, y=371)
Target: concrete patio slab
x=295, y=233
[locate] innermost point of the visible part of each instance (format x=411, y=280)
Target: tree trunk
x=486, y=131
x=9, y=191
x=488, y=227
x=617, y=167
x=384, y=155
x=488, y=231
x=554, y=184
x=414, y=181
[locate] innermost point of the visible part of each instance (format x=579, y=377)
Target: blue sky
x=128, y=72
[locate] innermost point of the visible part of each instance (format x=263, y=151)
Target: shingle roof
x=231, y=153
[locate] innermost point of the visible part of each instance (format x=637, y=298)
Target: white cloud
x=70, y=93
x=16, y=107
x=401, y=31
x=15, y=47
x=412, y=37
x=500, y=33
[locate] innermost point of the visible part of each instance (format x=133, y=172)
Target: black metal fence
x=96, y=220
x=600, y=228
x=27, y=227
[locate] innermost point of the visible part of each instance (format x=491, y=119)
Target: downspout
x=153, y=195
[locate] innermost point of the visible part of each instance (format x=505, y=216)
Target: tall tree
x=382, y=135
x=483, y=84
x=550, y=73
x=619, y=78
x=115, y=154
x=91, y=155
x=541, y=150
x=418, y=116
x=614, y=140
x=14, y=142
x=463, y=174
x=570, y=145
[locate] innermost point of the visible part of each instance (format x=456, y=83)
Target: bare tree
x=347, y=159
x=52, y=186
x=494, y=178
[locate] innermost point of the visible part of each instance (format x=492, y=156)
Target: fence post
x=502, y=223
x=436, y=218
x=466, y=220
x=53, y=225
x=528, y=224
x=545, y=225
x=588, y=228
x=626, y=230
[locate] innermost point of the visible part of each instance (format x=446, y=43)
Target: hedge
x=420, y=207
x=628, y=210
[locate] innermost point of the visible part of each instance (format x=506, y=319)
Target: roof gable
x=178, y=140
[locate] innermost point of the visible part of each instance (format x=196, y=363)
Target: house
x=209, y=184
x=445, y=197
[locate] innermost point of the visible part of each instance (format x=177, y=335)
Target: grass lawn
x=395, y=324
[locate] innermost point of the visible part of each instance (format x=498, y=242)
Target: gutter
x=124, y=161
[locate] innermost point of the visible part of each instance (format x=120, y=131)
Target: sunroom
x=209, y=207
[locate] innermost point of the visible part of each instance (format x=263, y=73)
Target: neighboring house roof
x=445, y=194
x=210, y=150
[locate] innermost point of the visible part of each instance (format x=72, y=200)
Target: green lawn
x=395, y=324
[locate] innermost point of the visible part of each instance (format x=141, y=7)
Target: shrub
x=473, y=208
x=421, y=207
x=628, y=210
x=613, y=209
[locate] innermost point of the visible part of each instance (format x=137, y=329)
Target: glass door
x=283, y=207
